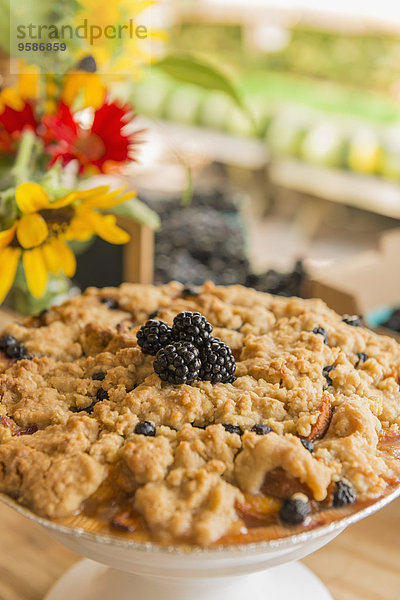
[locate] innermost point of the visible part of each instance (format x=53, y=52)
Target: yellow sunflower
x=26, y=89
x=87, y=85
x=125, y=52
x=10, y=97
x=41, y=233
x=28, y=81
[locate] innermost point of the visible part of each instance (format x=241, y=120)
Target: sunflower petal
x=9, y=259
x=67, y=258
x=94, y=92
x=72, y=86
x=10, y=97
x=59, y=256
x=105, y=227
x=97, y=191
x=28, y=81
x=32, y=230
x=51, y=258
x=31, y=197
x=109, y=200
x=79, y=230
x=6, y=236
x=91, y=85
x=35, y=271
x=65, y=201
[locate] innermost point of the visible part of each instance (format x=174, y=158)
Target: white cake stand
x=121, y=569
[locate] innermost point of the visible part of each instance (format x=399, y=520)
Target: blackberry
x=261, y=429
x=154, y=314
x=99, y=376
x=308, y=445
x=145, y=428
x=198, y=244
x=282, y=284
x=191, y=327
x=321, y=331
x=17, y=351
x=233, y=429
x=217, y=362
x=102, y=394
x=178, y=363
x=111, y=303
x=88, y=409
x=294, y=510
x=179, y=264
x=6, y=341
x=153, y=336
x=343, y=494
x=325, y=373
x=353, y=320
x=39, y=320
x=362, y=357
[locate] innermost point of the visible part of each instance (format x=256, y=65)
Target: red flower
x=6, y=142
x=12, y=124
x=102, y=145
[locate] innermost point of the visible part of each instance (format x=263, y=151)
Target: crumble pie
x=302, y=424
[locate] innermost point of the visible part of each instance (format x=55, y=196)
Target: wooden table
x=363, y=563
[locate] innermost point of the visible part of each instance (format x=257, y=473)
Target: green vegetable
x=324, y=145
x=214, y=109
x=183, y=105
x=150, y=95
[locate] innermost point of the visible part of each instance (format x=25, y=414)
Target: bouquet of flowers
x=56, y=130
x=49, y=141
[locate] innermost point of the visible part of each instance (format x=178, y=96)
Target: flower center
x=58, y=220
x=90, y=145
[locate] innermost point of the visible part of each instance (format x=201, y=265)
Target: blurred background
x=303, y=182
x=295, y=192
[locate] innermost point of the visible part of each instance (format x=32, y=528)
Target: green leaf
x=138, y=211
x=189, y=69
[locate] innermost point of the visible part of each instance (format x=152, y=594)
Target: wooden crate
x=138, y=254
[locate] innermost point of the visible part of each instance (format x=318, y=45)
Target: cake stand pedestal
x=88, y=580
x=122, y=569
